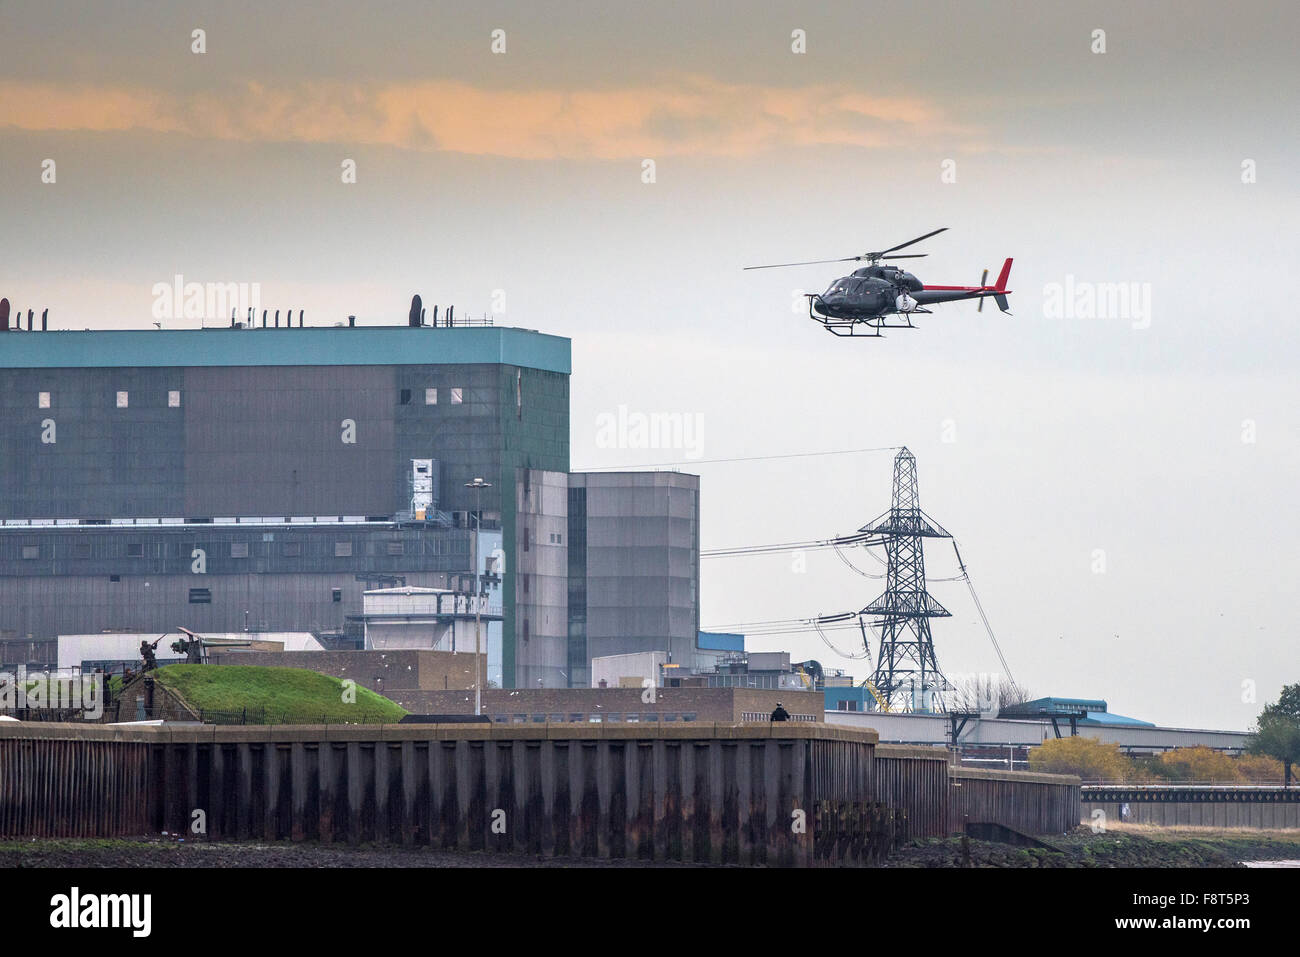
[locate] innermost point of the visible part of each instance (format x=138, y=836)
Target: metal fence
x=765, y=716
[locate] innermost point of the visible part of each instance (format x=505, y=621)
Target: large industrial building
x=263, y=480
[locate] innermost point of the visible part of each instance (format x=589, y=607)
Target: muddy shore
x=1116, y=848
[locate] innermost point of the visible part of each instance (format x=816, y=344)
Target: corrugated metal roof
x=1105, y=717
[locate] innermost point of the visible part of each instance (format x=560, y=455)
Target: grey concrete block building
x=262, y=479
x=609, y=563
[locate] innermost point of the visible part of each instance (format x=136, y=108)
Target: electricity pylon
x=907, y=674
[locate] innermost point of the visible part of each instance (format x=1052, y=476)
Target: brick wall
x=166, y=704
x=723, y=705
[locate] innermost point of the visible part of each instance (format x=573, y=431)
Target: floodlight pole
x=477, y=485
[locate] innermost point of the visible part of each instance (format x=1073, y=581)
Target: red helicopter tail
x=1004, y=276
x=1001, y=287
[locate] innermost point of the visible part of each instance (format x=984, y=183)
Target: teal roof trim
x=1101, y=718
x=311, y=346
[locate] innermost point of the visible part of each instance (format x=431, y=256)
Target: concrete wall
x=641, y=562
x=146, y=699
x=537, y=705
x=1191, y=806
x=640, y=669
x=541, y=582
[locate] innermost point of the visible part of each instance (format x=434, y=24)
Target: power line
x=857, y=538
x=845, y=559
x=745, y=458
x=794, y=627
x=980, y=609
x=866, y=652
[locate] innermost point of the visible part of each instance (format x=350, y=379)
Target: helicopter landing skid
x=849, y=328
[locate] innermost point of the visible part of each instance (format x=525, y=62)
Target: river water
x=1271, y=863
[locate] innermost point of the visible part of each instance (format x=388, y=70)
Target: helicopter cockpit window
x=837, y=288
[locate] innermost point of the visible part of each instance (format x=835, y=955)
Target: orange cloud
x=687, y=116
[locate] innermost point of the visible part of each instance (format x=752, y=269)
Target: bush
x=1090, y=759
x=1201, y=764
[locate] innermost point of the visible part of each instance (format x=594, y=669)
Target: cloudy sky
x=1122, y=484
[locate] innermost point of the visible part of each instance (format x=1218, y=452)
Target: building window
x=396, y=548
x=404, y=396
x=457, y=396
x=121, y=400
x=135, y=550
x=239, y=549
x=31, y=551
x=336, y=594
x=291, y=549
x=430, y=396
x=342, y=549
x=174, y=399
x=577, y=716
x=114, y=578
x=43, y=400
x=689, y=716
x=200, y=596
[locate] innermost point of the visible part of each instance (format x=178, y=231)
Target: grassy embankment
x=276, y=695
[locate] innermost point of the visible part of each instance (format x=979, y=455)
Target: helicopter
x=858, y=304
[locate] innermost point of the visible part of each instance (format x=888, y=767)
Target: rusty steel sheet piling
x=792, y=795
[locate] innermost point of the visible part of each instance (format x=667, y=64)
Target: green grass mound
x=228, y=693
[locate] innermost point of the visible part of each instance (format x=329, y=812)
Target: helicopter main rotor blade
x=811, y=262
x=883, y=254
x=911, y=241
